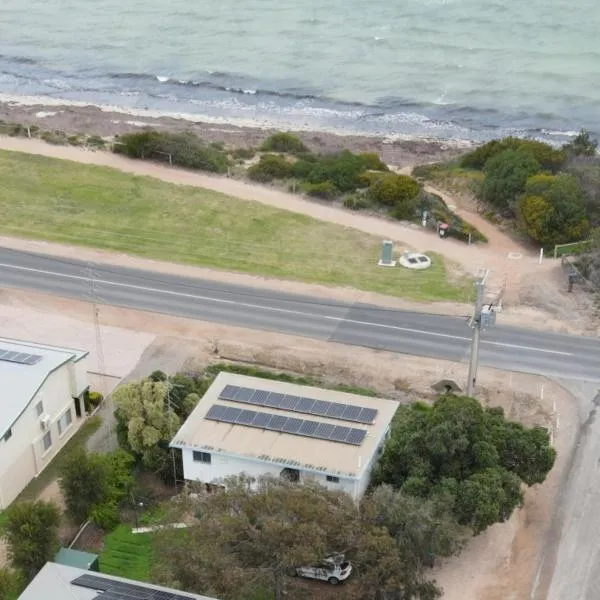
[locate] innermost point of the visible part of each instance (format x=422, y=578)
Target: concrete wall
x=23, y=456
x=222, y=466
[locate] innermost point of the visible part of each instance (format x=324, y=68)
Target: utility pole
x=483, y=317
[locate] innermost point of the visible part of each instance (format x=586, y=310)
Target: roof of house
x=20, y=381
x=309, y=453
x=55, y=582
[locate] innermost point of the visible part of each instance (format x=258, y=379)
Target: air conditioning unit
x=44, y=422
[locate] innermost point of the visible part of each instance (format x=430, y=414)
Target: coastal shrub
x=244, y=153
x=342, y=170
x=325, y=190
x=95, y=141
x=185, y=149
x=587, y=171
x=283, y=141
x=393, y=190
x=581, y=145
x=218, y=145
x=505, y=177
x=356, y=202
x=372, y=162
x=75, y=140
x=302, y=168
x=59, y=138
x=548, y=157
x=554, y=211
x=269, y=167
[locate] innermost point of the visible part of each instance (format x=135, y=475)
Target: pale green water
x=453, y=66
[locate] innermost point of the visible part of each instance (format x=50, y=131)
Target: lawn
x=50, y=473
x=63, y=201
x=126, y=554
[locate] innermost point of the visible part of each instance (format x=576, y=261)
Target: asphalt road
x=530, y=351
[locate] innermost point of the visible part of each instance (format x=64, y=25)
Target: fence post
x=541, y=256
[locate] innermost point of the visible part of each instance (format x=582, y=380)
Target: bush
x=372, y=162
x=95, y=141
x=356, y=202
x=185, y=149
x=505, y=177
x=59, y=138
x=325, y=189
x=75, y=140
x=582, y=145
x=244, y=153
x=269, y=167
x=302, y=168
x=548, y=157
x=95, y=398
x=284, y=141
x=393, y=190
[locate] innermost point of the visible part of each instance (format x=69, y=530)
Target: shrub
x=58, y=138
x=95, y=398
x=185, y=149
x=95, y=141
x=244, y=153
x=342, y=170
x=217, y=145
x=356, y=202
x=284, y=141
x=325, y=189
x=75, y=140
x=302, y=168
x=372, y=162
x=505, y=177
x=581, y=145
x=269, y=167
x=393, y=190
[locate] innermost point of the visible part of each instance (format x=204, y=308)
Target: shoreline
x=108, y=121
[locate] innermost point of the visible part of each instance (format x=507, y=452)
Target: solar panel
x=244, y=394
x=320, y=408
x=367, y=415
x=274, y=400
x=292, y=425
x=308, y=406
x=259, y=397
x=246, y=417
x=340, y=433
x=356, y=437
x=229, y=392
x=119, y=590
x=215, y=412
x=283, y=424
x=289, y=402
x=21, y=358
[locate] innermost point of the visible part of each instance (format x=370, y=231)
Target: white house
x=263, y=427
x=41, y=406
x=62, y=582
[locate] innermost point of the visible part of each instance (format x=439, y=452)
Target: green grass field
x=63, y=201
x=126, y=554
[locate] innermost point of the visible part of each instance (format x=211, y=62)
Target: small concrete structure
x=77, y=559
x=415, y=260
x=447, y=386
x=387, y=256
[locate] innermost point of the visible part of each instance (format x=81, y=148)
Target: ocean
x=449, y=69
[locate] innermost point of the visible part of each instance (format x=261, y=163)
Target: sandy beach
x=78, y=118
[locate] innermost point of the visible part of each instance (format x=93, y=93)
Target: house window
x=65, y=421
x=333, y=479
x=203, y=457
x=39, y=408
x=7, y=435
x=47, y=441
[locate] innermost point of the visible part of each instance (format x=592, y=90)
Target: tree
x=553, y=209
x=31, y=532
x=142, y=406
x=462, y=456
x=265, y=528
x=506, y=175
x=83, y=483
x=581, y=145
x=94, y=486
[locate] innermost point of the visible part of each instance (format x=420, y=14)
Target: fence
x=572, y=248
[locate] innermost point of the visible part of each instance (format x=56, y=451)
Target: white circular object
x=415, y=261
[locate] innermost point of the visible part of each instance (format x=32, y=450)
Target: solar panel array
x=299, y=404
x=21, y=358
x=282, y=424
x=117, y=590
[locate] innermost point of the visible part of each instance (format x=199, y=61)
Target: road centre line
x=278, y=310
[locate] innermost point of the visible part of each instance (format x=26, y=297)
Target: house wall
x=222, y=466
x=22, y=456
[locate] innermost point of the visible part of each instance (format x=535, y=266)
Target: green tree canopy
x=31, y=532
x=506, y=175
x=553, y=209
x=435, y=452
x=582, y=145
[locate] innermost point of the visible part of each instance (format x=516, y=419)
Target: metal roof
x=20, y=382
x=280, y=447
